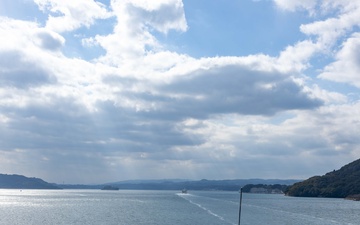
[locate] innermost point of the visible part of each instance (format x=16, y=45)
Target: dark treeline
x=336, y=184
x=270, y=188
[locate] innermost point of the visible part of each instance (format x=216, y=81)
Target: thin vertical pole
x=240, y=205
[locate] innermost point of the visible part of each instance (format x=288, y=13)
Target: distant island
x=342, y=183
x=177, y=184
x=21, y=182
x=250, y=185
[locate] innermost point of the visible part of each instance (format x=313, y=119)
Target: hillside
x=337, y=184
x=22, y=182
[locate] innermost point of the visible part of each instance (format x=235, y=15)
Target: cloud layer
x=142, y=110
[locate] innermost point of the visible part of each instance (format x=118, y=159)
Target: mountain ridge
x=15, y=181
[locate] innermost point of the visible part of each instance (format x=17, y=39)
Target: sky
x=110, y=90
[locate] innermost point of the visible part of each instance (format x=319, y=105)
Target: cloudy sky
x=106, y=90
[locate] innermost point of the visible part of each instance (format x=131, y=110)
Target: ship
x=110, y=188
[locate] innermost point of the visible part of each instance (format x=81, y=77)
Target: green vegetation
x=337, y=184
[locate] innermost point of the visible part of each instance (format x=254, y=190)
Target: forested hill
x=341, y=183
x=22, y=182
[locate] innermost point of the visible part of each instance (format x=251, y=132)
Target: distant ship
x=110, y=188
x=184, y=191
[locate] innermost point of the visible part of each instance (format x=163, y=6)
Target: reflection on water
x=169, y=207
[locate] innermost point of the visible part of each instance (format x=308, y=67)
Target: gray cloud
x=19, y=71
x=233, y=89
x=50, y=40
x=219, y=90
x=64, y=124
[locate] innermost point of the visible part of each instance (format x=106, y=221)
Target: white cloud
x=323, y=137
x=68, y=15
x=296, y=4
x=328, y=97
x=163, y=15
x=15, y=33
x=346, y=68
x=328, y=31
x=296, y=58
x=28, y=37
x=132, y=36
x=341, y=17
x=337, y=22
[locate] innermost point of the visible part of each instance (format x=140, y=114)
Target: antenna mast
x=240, y=205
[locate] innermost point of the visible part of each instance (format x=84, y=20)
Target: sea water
x=130, y=207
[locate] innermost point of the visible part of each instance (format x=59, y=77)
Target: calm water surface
x=92, y=207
